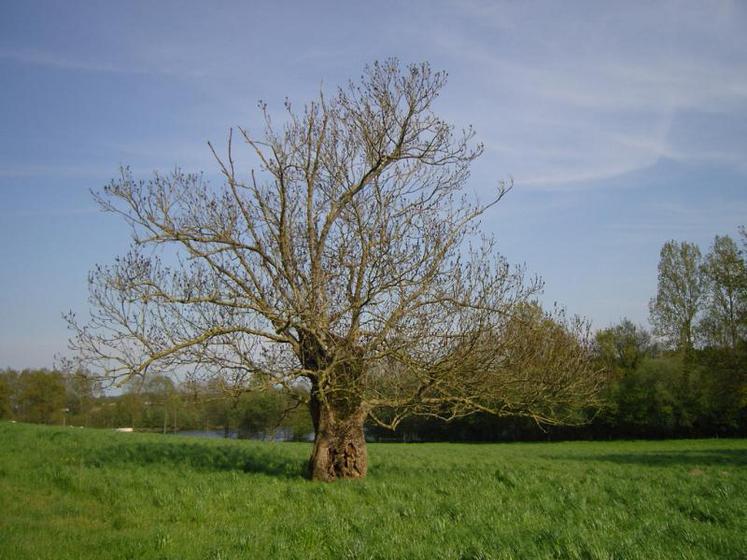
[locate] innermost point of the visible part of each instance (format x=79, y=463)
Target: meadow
x=70, y=493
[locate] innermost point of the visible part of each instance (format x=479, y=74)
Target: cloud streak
x=607, y=88
x=64, y=62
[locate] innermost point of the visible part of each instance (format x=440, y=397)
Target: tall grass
x=73, y=493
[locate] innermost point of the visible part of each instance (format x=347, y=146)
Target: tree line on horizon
x=686, y=377
x=45, y=396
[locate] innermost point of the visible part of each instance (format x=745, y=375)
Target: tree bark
x=339, y=443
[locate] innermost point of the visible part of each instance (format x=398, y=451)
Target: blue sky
x=622, y=126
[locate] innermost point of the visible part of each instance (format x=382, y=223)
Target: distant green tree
x=6, y=410
x=129, y=409
x=81, y=390
x=660, y=398
x=725, y=384
x=41, y=396
x=260, y=413
x=298, y=420
x=725, y=318
x=622, y=347
x=679, y=296
x=644, y=398
x=159, y=397
x=218, y=403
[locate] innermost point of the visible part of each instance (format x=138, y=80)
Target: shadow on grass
x=694, y=458
x=199, y=457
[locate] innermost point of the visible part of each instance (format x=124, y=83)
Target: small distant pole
x=64, y=416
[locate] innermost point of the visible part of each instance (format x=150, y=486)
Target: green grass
x=73, y=493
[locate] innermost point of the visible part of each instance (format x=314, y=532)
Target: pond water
x=281, y=434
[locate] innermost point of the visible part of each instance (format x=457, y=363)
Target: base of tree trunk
x=339, y=450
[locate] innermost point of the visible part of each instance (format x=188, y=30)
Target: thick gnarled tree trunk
x=339, y=444
x=337, y=414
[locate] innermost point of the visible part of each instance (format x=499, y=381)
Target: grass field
x=74, y=493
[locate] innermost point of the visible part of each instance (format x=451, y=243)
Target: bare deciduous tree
x=350, y=261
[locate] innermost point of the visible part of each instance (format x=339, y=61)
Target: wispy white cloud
x=19, y=170
x=156, y=64
x=562, y=95
x=51, y=212
x=575, y=178
x=677, y=219
x=579, y=97
x=64, y=61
